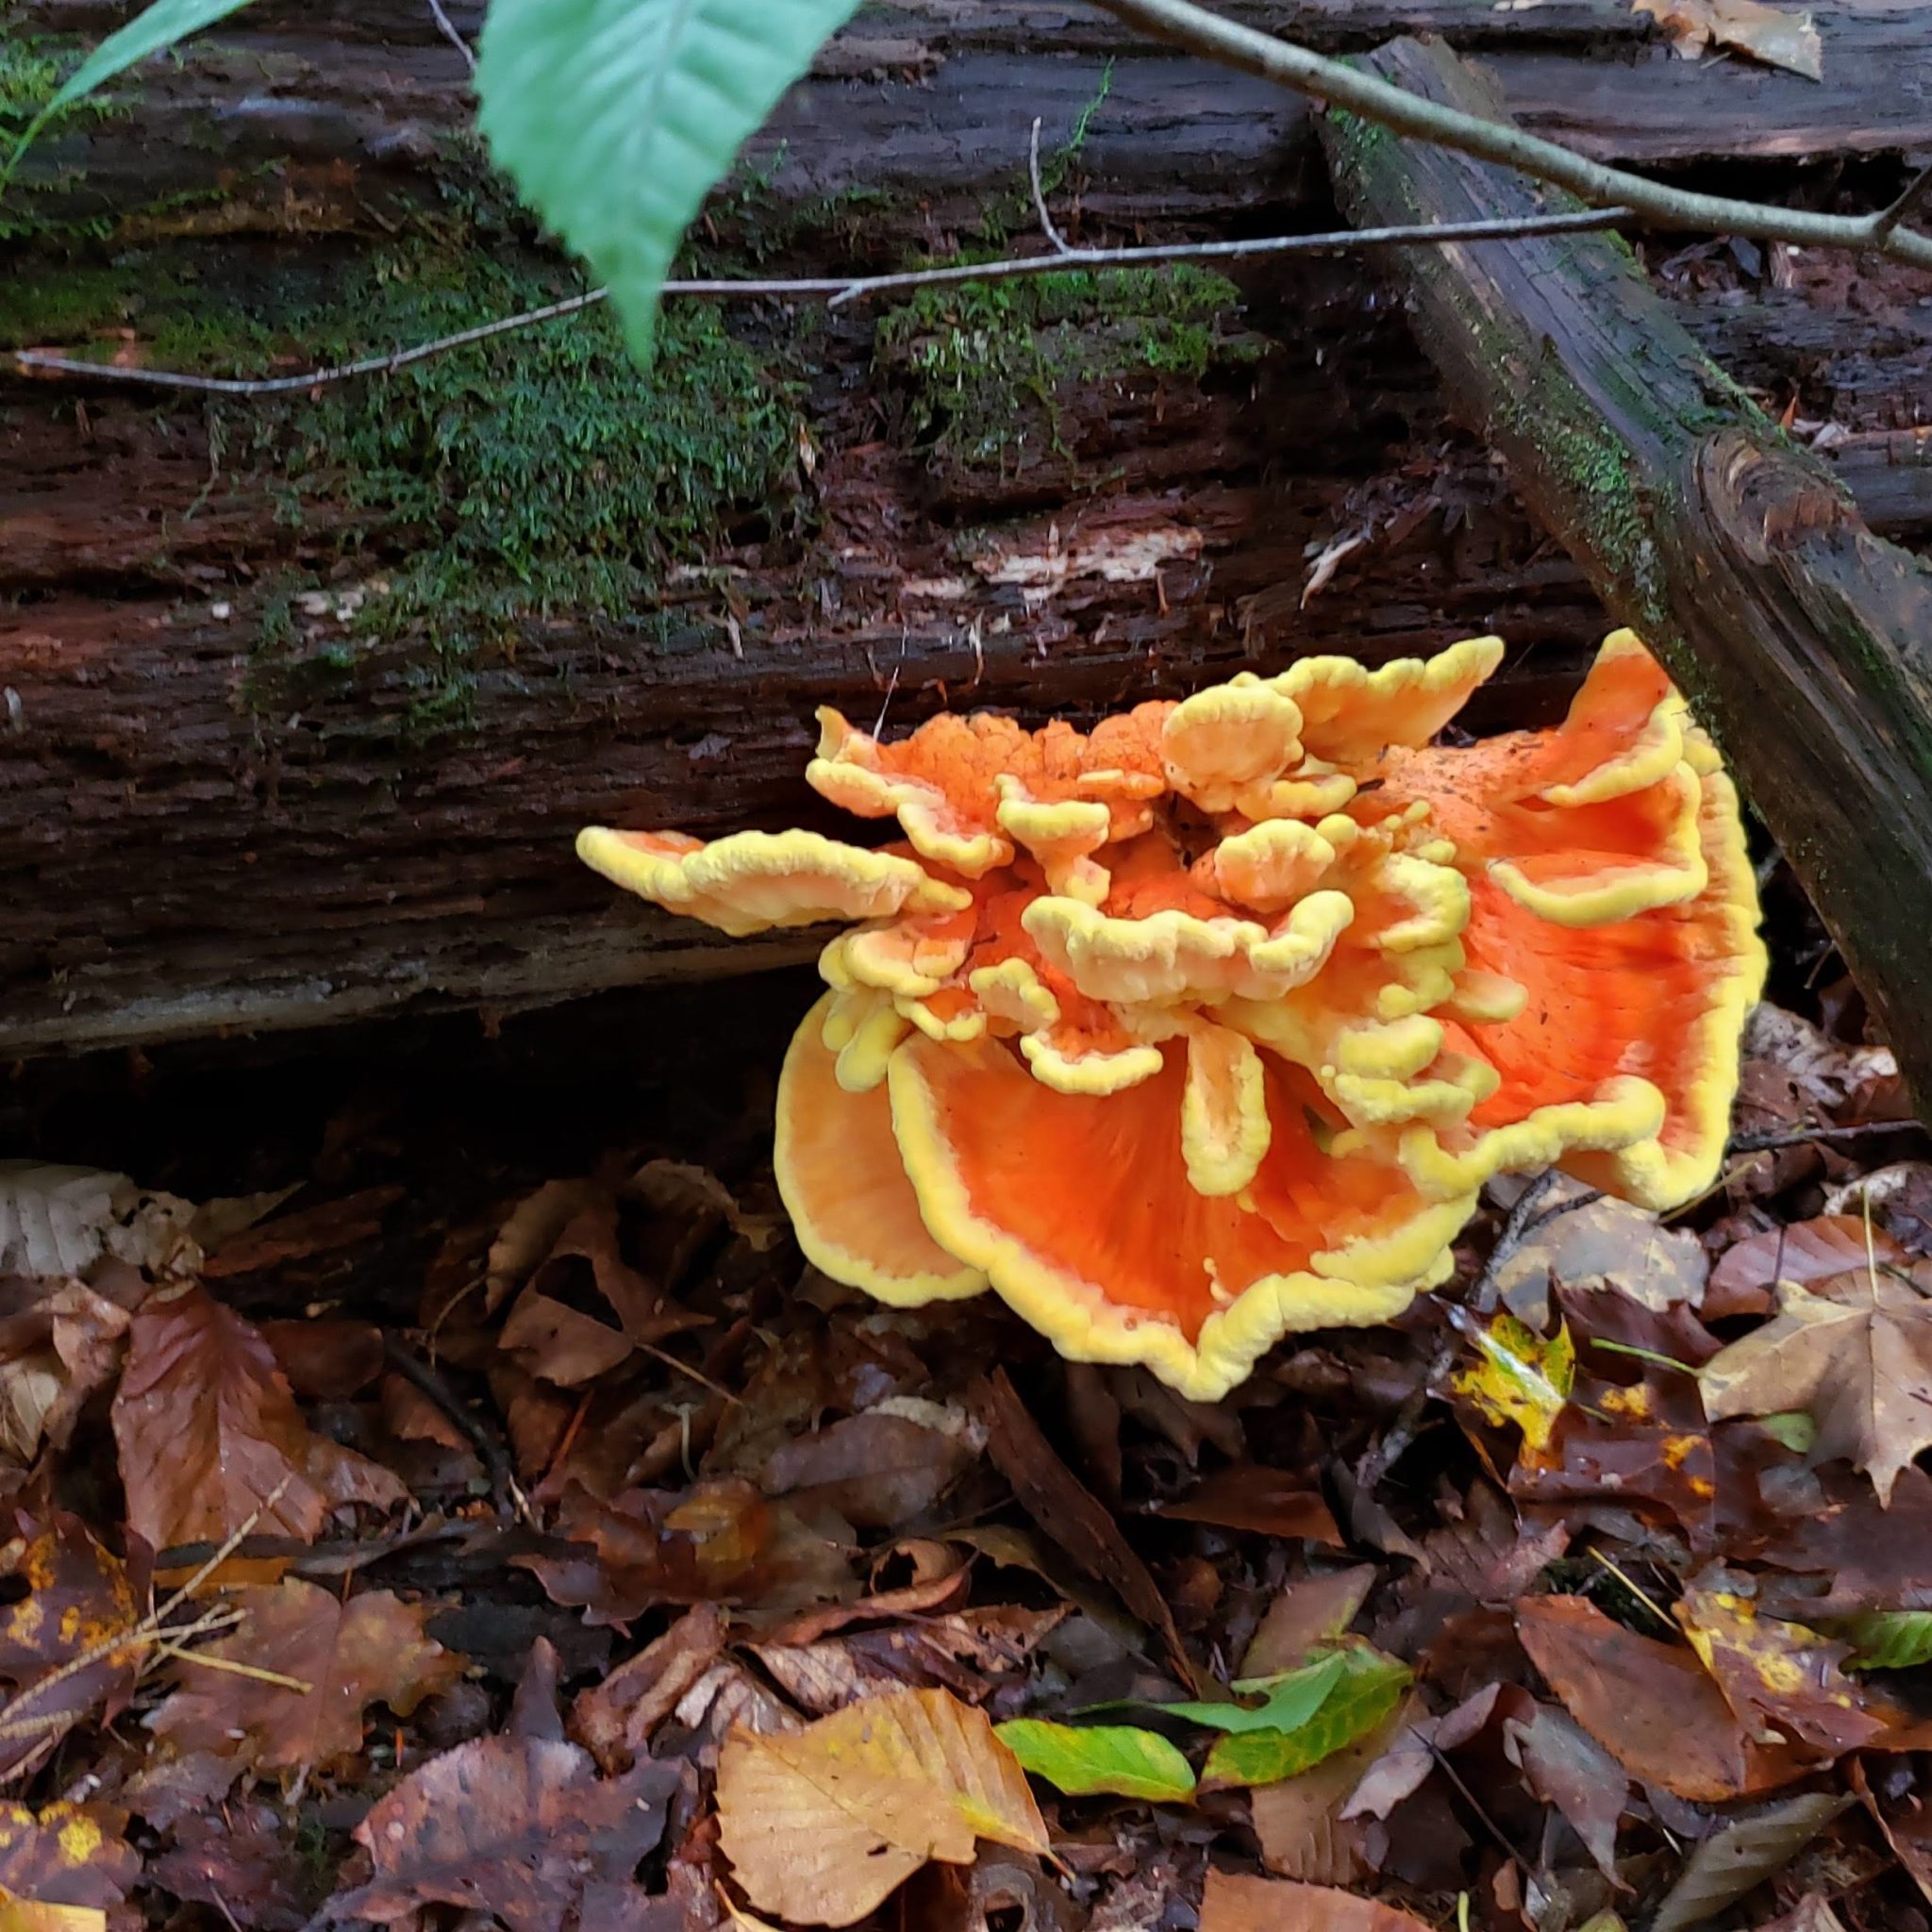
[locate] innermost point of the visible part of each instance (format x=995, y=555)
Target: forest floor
x=439, y=1460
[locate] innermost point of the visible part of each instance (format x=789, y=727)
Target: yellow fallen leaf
x=821, y=1824
x=1519, y=1378
x=29, y=1915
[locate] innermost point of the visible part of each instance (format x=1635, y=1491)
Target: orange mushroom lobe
x=1207, y=1025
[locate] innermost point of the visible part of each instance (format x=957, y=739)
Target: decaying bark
x=232, y=794
x=1805, y=642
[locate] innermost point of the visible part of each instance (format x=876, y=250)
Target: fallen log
x=302, y=700
x=1803, y=640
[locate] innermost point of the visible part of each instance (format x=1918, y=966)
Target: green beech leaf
x=1081, y=1760
x=1885, y=1639
x=160, y=25
x=1290, y=1698
x=615, y=118
x=1370, y=1688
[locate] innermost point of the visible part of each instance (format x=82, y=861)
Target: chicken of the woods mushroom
x=1208, y=1024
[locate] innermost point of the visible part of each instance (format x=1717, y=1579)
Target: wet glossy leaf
x=1519, y=1377
x=1081, y=1759
x=208, y=1431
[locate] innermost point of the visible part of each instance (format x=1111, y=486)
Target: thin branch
x=455, y=39
x=1040, y=207
x=841, y=289
x=1907, y=202
x=1198, y=31
x=1778, y=1138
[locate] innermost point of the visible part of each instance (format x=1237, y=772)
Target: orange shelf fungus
x=1208, y=1024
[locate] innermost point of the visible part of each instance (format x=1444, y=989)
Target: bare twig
x=1907, y=202
x=837, y=290
x=1039, y=207
x=448, y=28
x=1198, y=31
x=1771, y=1138
x=508, y=1497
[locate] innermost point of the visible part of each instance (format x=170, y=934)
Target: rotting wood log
x=1804, y=641
x=229, y=800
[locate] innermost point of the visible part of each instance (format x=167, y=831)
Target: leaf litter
x=564, y=1553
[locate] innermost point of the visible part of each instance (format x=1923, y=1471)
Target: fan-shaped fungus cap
x=1208, y=1024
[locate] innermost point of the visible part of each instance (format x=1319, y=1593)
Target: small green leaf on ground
x=1085, y=1759
x=1885, y=1639
x=1290, y=1699
x=1370, y=1687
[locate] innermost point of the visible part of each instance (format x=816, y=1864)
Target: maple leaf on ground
x=371, y=1650
x=1231, y=1903
x=207, y=1430
x=1856, y=1355
x=82, y=1601
x=1652, y=1705
x=1770, y=34
x=824, y=1824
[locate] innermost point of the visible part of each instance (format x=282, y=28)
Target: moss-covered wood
x=1805, y=642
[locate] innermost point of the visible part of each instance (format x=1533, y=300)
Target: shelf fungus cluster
x=1207, y=1024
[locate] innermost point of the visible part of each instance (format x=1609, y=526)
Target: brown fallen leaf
x=1652, y=1705
x=617, y=1716
x=1607, y=1246
x=371, y=1650
x=878, y=1470
x=1770, y=34
x=1231, y=1903
x=325, y=1361
x=719, y=1540
x=1269, y=1502
x=821, y=1824
x=1745, y=1849
x=1071, y=1515
x=208, y=1431
x=82, y=1601
x=238, y=1858
x=519, y=1826
x=1856, y=1355
x=1564, y=1766
x=1298, y=1819
x=1774, y=1673
x=67, y=1855
x=59, y=1343
x=1746, y=1278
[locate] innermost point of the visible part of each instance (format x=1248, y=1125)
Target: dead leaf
x=59, y=1343
x=1744, y=1850
x=1831, y=1077
x=1872, y=1557
x=1298, y=1819
x=821, y=1824
x=67, y=1855
x=877, y=1470
x=207, y=1429
x=719, y=1540
x=240, y=1859
x=1652, y=1705
x=56, y=1221
x=371, y=1650
x=1774, y=1673
x=1605, y=1244
x=518, y=1826
x=1856, y=1355
x=82, y=1601
x=1769, y=34
x=1564, y=1766
x=325, y=1361
x=1268, y=1502
x=1744, y=1280
x=530, y=1232
x=1237, y=1903
x=617, y=1716
x=1069, y=1514
x=1519, y=1376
